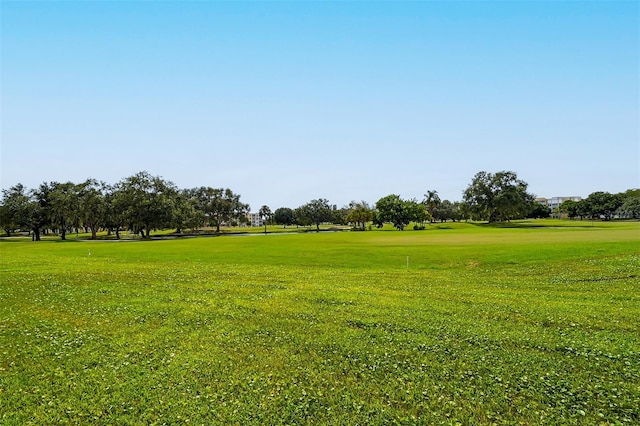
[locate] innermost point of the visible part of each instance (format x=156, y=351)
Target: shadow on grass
x=534, y=225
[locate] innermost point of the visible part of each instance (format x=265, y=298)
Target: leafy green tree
x=634, y=192
x=265, y=214
x=497, y=197
x=314, y=212
x=395, y=210
x=64, y=207
x=302, y=216
x=447, y=210
x=570, y=208
x=284, y=216
x=603, y=204
x=148, y=202
x=185, y=213
x=116, y=209
x=14, y=212
x=459, y=211
x=339, y=216
x=631, y=207
x=38, y=210
x=208, y=201
x=220, y=206
x=629, y=204
x=226, y=206
x=93, y=205
x=199, y=199
x=538, y=211
x=6, y=220
x=359, y=214
x=418, y=213
x=583, y=209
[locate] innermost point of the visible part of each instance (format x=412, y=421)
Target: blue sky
x=284, y=102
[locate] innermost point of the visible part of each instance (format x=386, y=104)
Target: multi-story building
x=255, y=219
x=554, y=202
x=543, y=201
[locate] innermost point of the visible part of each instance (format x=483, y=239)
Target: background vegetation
x=143, y=203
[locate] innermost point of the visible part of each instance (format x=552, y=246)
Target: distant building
x=554, y=202
x=543, y=201
x=255, y=219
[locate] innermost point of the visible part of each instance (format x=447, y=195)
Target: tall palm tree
x=265, y=214
x=431, y=200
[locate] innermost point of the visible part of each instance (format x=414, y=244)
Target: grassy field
x=534, y=323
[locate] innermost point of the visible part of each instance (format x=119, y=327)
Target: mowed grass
x=528, y=324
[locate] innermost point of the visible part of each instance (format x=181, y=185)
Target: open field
x=526, y=324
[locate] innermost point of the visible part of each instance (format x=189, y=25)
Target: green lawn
x=535, y=322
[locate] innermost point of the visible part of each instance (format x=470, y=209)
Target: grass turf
x=524, y=324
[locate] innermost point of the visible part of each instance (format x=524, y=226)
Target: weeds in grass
x=489, y=326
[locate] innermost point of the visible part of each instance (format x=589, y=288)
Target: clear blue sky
x=284, y=102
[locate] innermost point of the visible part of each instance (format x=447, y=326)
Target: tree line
x=142, y=203
x=139, y=203
x=603, y=205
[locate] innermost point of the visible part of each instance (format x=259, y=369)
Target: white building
x=255, y=219
x=554, y=202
